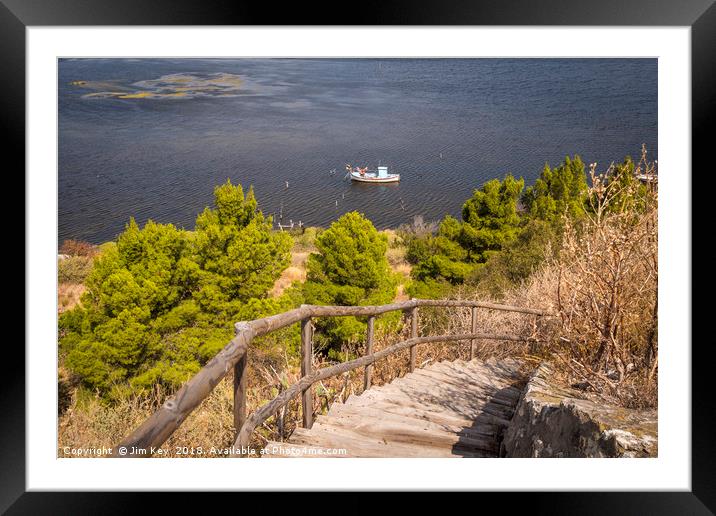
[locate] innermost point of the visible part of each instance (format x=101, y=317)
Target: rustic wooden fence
x=160, y=426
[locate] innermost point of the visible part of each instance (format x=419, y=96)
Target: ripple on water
x=296, y=120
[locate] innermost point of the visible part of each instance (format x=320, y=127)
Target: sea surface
x=150, y=138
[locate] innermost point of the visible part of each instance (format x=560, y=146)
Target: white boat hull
x=373, y=178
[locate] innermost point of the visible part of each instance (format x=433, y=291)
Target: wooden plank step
x=357, y=415
x=482, y=376
x=478, y=376
x=410, y=396
x=359, y=445
x=428, y=393
x=503, y=392
x=464, y=427
x=428, y=412
x=467, y=381
x=408, y=433
x=475, y=400
x=492, y=395
x=503, y=368
x=423, y=384
x=511, y=390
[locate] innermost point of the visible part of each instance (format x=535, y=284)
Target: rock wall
x=551, y=421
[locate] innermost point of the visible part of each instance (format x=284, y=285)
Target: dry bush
x=79, y=248
x=418, y=228
x=68, y=296
x=94, y=423
x=603, y=287
x=535, y=330
x=88, y=421
x=74, y=269
x=607, y=296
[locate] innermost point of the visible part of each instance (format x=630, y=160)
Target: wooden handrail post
x=473, y=342
x=413, y=335
x=240, y=378
x=533, y=344
x=369, y=351
x=306, y=369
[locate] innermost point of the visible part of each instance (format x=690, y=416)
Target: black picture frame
x=700, y=15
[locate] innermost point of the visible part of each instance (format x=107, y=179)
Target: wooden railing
x=160, y=426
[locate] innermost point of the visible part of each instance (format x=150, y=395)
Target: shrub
x=416, y=229
x=558, y=191
x=79, y=248
x=238, y=256
x=538, y=240
x=458, y=249
x=159, y=303
x=74, y=269
x=609, y=276
x=350, y=268
x=429, y=288
x=490, y=217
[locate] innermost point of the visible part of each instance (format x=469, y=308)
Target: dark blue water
x=446, y=125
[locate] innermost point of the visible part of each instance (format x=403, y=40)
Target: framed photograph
x=422, y=237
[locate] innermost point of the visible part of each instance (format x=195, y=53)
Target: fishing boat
x=363, y=175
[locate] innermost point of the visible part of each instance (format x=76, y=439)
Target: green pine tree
x=490, y=218
x=350, y=268
x=558, y=191
x=160, y=303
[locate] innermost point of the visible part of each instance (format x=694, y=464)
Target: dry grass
x=401, y=294
x=88, y=421
x=294, y=272
x=68, y=295
x=398, y=264
x=607, y=292
x=93, y=423
x=603, y=289
x=304, y=246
